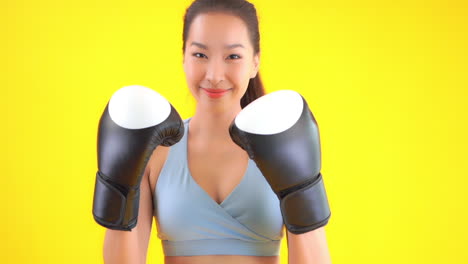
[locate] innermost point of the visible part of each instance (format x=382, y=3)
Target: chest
x=185, y=205
x=217, y=170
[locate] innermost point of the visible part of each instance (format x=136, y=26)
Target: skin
x=218, y=55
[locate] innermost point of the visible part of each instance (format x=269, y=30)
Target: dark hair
x=245, y=11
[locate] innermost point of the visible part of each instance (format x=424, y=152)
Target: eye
x=234, y=57
x=199, y=55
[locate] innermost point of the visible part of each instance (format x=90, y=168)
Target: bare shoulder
x=155, y=164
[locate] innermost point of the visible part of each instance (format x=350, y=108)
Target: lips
x=215, y=90
x=215, y=93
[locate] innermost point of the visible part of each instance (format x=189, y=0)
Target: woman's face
x=219, y=59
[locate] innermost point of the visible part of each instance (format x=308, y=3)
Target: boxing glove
x=135, y=121
x=280, y=134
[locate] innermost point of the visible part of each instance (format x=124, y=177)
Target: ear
x=256, y=62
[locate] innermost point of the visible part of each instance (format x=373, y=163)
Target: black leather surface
x=122, y=158
x=291, y=163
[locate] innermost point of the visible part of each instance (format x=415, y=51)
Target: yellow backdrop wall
x=386, y=80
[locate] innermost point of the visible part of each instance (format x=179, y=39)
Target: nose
x=215, y=73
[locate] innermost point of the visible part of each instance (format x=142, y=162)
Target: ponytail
x=255, y=90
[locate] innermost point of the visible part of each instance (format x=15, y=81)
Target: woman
x=201, y=189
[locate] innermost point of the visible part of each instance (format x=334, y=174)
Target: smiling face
x=219, y=60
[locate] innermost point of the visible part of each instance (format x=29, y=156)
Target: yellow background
x=386, y=80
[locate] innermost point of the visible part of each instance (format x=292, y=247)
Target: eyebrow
x=203, y=46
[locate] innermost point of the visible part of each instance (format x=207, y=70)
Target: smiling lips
x=215, y=93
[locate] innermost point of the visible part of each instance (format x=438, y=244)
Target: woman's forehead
x=218, y=29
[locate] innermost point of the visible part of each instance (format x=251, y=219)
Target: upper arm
x=131, y=247
x=310, y=247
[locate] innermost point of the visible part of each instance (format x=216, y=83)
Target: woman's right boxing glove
x=135, y=121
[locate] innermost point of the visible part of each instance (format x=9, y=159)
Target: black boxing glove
x=280, y=134
x=135, y=121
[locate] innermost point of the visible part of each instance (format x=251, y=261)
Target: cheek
x=241, y=75
x=193, y=73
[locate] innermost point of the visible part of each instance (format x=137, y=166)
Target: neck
x=212, y=125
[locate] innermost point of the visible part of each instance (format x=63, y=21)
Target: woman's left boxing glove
x=135, y=121
x=280, y=134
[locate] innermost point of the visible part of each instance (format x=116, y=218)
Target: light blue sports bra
x=190, y=223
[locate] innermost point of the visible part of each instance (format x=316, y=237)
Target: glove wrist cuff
x=112, y=208
x=307, y=208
